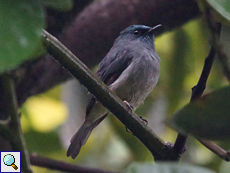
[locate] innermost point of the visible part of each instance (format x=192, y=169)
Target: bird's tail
x=81, y=136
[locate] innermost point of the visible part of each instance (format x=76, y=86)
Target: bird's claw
x=144, y=120
x=128, y=105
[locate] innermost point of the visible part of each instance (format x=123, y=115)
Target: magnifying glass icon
x=9, y=160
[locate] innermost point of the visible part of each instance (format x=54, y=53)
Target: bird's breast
x=137, y=80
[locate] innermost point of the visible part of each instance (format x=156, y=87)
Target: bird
x=130, y=69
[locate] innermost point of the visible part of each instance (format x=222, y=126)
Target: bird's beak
x=154, y=28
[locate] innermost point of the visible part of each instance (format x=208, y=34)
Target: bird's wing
x=110, y=69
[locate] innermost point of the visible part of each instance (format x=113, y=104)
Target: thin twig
x=223, y=154
x=17, y=142
x=215, y=29
x=76, y=68
x=62, y=166
x=198, y=90
x=196, y=93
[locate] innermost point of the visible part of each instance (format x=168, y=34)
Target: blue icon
x=9, y=160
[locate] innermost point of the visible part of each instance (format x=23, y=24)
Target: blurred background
x=50, y=119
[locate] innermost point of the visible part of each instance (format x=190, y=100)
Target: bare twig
x=196, y=93
x=62, y=166
x=223, y=154
x=156, y=145
x=198, y=90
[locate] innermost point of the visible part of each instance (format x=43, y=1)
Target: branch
x=223, y=154
x=92, y=33
x=62, y=166
x=75, y=67
x=198, y=90
x=17, y=139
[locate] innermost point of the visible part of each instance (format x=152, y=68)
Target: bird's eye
x=136, y=32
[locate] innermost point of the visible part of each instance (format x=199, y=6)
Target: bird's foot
x=144, y=121
x=128, y=105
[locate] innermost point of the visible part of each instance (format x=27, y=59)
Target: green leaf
x=165, y=167
x=42, y=143
x=58, y=4
x=222, y=7
x=21, y=23
x=207, y=117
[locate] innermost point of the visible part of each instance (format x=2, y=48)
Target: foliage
x=21, y=23
x=206, y=118
x=182, y=52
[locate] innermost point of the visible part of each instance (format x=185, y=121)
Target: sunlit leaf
x=45, y=114
x=207, y=117
x=20, y=25
x=165, y=167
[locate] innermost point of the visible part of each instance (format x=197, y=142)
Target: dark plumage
x=130, y=69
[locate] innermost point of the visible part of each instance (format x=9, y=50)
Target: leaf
x=208, y=117
x=21, y=23
x=58, y=4
x=222, y=7
x=42, y=143
x=165, y=167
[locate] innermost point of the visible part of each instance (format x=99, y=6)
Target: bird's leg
x=128, y=105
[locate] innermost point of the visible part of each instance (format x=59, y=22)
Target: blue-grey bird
x=130, y=69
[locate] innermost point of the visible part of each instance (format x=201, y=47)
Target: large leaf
x=208, y=117
x=21, y=23
x=222, y=7
x=165, y=168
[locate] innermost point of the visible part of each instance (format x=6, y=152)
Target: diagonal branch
x=91, y=34
x=76, y=68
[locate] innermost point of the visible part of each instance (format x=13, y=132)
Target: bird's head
x=138, y=32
